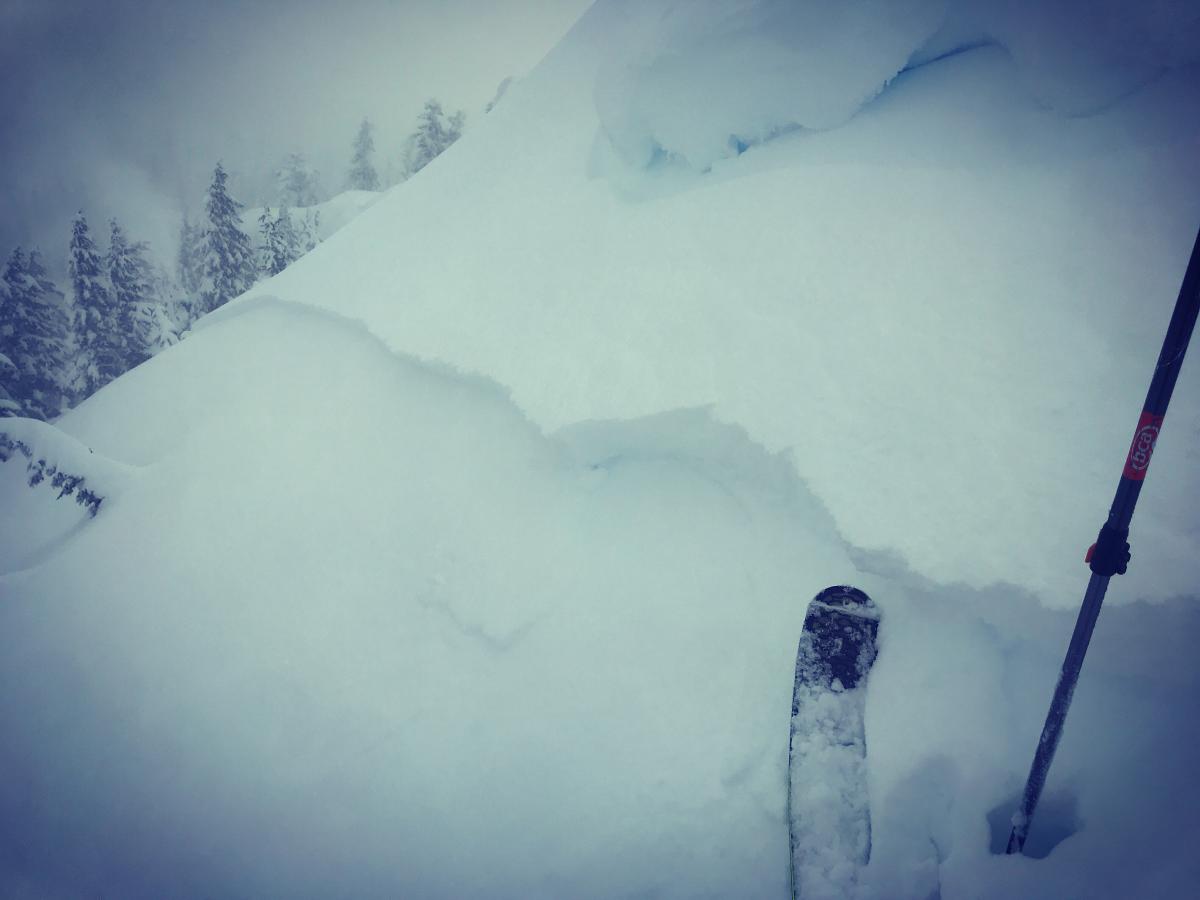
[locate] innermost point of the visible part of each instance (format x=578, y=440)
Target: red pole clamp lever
x=1091, y=552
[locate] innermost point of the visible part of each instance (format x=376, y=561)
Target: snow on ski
x=829, y=816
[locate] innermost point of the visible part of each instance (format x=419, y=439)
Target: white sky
x=122, y=107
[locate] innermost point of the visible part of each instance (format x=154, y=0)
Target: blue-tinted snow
x=364, y=623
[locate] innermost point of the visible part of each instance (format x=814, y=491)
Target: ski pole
x=1110, y=554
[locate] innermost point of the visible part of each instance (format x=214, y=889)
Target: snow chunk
x=706, y=80
x=714, y=77
x=1077, y=56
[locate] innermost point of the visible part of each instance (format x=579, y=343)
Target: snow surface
x=947, y=310
x=467, y=557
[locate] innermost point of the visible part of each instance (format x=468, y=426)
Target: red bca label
x=1142, y=447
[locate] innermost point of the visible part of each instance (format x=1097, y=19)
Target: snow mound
x=396, y=644
x=705, y=80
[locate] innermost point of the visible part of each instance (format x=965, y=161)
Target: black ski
x=829, y=816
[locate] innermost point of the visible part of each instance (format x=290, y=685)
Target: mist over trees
x=363, y=176
x=120, y=307
x=190, y=258
x=297, y=183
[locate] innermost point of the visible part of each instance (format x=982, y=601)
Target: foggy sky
x=123, y=107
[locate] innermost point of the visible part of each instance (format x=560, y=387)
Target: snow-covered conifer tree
x=309, y=235
x=435, y=132
x=431, y=133
x=8, y=369
x=228, y=266
x=99, y=356
x=58, y=350
x=176, y=307
x=33, y=337
x=280, y=245
x=129, y=277
x=363, y=176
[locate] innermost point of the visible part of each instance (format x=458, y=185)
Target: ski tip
x=847, y=598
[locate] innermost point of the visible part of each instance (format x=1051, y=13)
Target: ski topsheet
x=829, y=816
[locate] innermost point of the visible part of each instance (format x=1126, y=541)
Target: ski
x=829, y=816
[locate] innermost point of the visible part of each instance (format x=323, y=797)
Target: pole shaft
x=1137, y=462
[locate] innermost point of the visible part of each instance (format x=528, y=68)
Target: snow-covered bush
x=43, y=470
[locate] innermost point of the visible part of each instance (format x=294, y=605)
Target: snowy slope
x=947, y=309
x=411, y=646
x=467, y=557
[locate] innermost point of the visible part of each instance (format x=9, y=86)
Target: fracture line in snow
x=497, y=643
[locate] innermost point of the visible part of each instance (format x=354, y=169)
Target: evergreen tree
x=431, y=133
x=97, y=332
x=363, y=176
x=228, y=265
x=298, y=183
x=133, y=301
x=8, y=369
x=501, y=90
x=454, y=127
x=33, y=337
x=168, y=316
x=435, y=132
x=61, y=354
x=309, y=234
x=280, y=245
x=8, y=405
x=189, y=275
